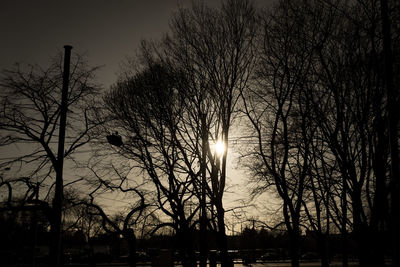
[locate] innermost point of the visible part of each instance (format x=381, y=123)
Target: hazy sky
x=106, y=30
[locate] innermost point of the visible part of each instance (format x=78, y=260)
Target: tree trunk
x=131, y=239
x=92, y=260
x=392, y=109
x=294, y=248
x=323, y=249
x=376, y=248
x=369, y=246
x=203, y=209
x=186, y=249
x=359, y=228
x=343, y=230
x=222, y=238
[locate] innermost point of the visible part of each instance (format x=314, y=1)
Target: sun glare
x=219, y=148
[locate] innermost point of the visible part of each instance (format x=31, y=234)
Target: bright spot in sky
x=219, y=148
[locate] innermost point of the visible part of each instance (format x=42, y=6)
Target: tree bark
x=222, y=238
x=392, y=96
x=203, y=215
x=131, y=239
x=294, y=247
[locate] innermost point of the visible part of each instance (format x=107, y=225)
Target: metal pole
x=58, y=195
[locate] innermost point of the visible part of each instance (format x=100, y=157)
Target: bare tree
x=352, y=117
x=280, y=113
x=78, y=217
x=215, y=51
x=126, y=227
x=322, y=65
x=30, y=117
x=390, y=20
x=145, y=109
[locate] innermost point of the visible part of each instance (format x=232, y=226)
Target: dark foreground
x=238, y=264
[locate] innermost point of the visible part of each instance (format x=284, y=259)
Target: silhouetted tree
x=125, y=227
x=351, y=103
x=30, y=114
x=390, y=12
x=186, y=95
x=215, y=51
x=146, y=110
x=279, y=113
x=80, y=219
x=321, y=103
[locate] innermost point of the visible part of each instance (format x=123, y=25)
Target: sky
x=107, y=31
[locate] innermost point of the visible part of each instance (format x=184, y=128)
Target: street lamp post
x=58, y=195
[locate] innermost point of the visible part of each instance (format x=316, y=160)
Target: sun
x=219, y=148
